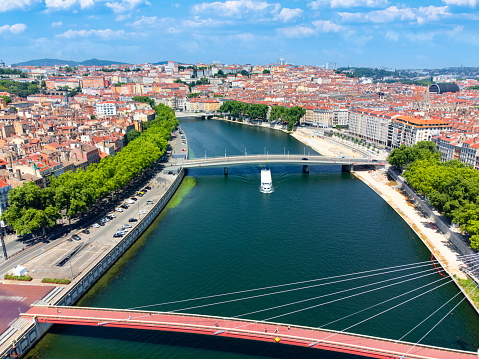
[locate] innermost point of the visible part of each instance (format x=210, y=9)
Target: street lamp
x=71, y=269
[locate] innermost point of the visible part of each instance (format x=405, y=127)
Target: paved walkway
x=244, y=329
x=440, y=246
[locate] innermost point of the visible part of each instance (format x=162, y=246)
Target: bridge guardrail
x=255, y=333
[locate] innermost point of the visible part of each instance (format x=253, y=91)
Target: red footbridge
x=278, y=333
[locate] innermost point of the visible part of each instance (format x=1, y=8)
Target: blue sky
x=412, y=34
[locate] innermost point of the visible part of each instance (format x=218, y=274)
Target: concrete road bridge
x=279, y=333
x=203, y=115
x=347, y=163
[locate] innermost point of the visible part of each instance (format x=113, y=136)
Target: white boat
x=266, y=181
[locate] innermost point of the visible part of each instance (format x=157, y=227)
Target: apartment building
x=408, y=130
x=371, y=125
x=107, y=108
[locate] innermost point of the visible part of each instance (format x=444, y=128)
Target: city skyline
x=376, y=33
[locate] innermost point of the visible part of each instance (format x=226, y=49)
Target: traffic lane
x=110, y=228
x=41, y=247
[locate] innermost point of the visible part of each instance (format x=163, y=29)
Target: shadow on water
x=215, y=345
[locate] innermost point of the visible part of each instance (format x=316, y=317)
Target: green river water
x=226, y=236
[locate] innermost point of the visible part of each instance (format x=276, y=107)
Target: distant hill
x=53, y=62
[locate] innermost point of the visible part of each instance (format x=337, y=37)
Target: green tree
x=7, y=99
x=144, y=99
x=266, y=71
x=132, y=135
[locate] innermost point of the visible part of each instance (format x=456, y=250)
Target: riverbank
x=324, y=146
x=448, y=255
x=440, y=247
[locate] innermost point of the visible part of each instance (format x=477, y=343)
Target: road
x=103, y=235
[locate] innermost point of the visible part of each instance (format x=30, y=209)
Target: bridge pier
x=347, y=168
x=305, y=169
x=226, y=171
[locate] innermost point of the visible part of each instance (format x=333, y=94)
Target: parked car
x=116, y=235
x=121, y=231
x=140, y=194
x=111, y=215
x=133, y=220
x=69, y=239
x=119, y=209
x=141, y=212
x=130, y=201
x=148, y=187
x=134, y=199
x=125, y=206
x=102, y=223
x=76, y=237
x=95, y=225
x=126, y=226
x=149, y=202
x=86, y=231
x=304, y=159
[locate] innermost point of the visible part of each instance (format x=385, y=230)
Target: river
x=226, y=236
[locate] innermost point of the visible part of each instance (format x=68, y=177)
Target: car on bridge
x=304, y=159
x=133, y=220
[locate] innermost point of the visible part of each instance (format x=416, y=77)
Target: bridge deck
x=244, y=329
x=222, y=161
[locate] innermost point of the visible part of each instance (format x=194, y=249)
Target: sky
x=371, y=33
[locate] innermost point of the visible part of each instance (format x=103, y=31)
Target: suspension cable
x=439, y=322
x=430, y=315
x=307, y=287
x=412, y=265
x=387, y=310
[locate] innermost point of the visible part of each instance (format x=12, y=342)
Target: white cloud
x=327, y=26
x=7, y=5
x=461, y=2
x=145, y=21
x=123, y=17
x=238, y=8
x=431, y=35
x=67, y=4
x=392, y=36
x=315, y=5
x=57, y=24
x=204, y=23
x=299, y=31
x=125, y=5
x=14, y=29
x=102, y=34
x=286, y=14
x=421, y=15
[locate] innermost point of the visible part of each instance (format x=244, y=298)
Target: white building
x=409, y=130
x=107, y=108
x=371, y=125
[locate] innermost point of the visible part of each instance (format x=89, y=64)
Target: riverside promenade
x=89, y=259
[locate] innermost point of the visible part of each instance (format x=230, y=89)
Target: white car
x=126, y=226
x=130, y=201
x=119, y=209
x=112, y=215
x=95, y=225
x=141, y=212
